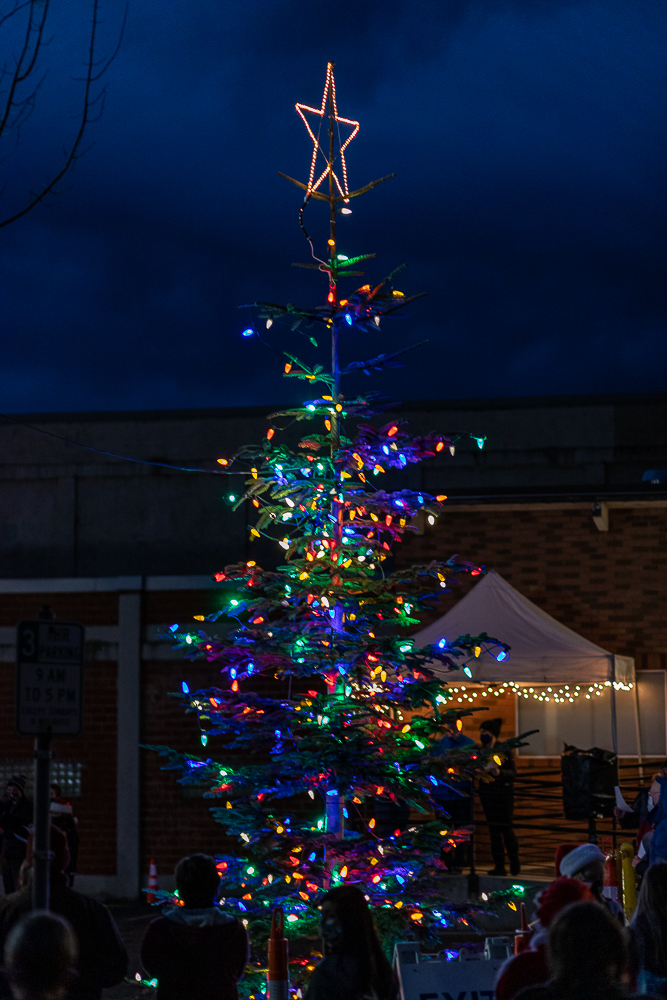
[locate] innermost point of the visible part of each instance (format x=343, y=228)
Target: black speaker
x=589, y=777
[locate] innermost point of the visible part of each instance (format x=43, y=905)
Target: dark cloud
x=528, y=142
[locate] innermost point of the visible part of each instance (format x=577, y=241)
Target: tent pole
x=614, y=727
x=638, y=730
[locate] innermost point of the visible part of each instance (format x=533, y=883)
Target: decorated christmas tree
x=324, y=718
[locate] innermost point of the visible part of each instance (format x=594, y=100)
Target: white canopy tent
x=542, y=650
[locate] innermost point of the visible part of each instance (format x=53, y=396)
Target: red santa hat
x=560, y=894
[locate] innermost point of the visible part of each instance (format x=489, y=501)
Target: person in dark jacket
x=648, y=933
x=587, y=955
x=354, y=966
x=15, y=823
x=497, y=798
x=530, y=967
x=196, y=951
x=658, y=846
x=102, y=958
x=40, y=957
x=642, y=805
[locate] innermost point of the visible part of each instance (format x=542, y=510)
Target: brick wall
x=608, y=586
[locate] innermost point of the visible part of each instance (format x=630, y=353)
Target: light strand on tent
x=546, y=693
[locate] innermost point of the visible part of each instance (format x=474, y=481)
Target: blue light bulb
x=232, y=673
x=248, y=332
x=173, y=628
x=348, y=319
x=501, y=655
x=250, y=668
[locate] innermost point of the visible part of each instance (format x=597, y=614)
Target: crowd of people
x=579, y=947
x=16, y=815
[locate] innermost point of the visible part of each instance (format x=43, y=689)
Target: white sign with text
x=49, y=678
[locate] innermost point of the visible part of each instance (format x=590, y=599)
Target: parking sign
x=49, y=678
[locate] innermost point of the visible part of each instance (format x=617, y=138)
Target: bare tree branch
x=25, y=63
x=17, y=109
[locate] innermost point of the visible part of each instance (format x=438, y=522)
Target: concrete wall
x=68, y=512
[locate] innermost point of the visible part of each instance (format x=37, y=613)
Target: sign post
x=49, y=687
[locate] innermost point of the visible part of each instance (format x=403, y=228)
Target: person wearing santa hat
x=586, y=864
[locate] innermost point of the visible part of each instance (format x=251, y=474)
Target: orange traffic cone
x=523, y=936
x=152, y=883
x=278, y=978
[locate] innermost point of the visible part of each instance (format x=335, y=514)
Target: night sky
x=528, y=140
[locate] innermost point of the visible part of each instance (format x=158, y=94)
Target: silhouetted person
x=40, y=957
x=102, y=960
x=354, y=965
x=587, y=955
x=196, y=951
x=15, y=819
x=497, y=798
x=648, y=932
